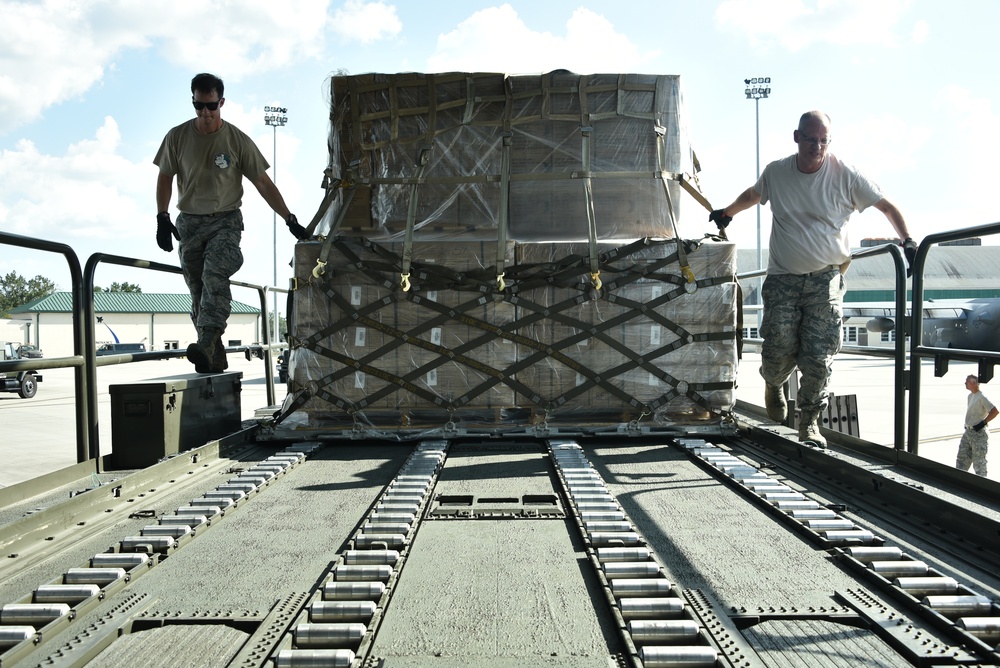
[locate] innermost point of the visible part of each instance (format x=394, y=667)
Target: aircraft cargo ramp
x=739, y=551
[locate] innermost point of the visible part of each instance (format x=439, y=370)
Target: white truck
x=25, y=383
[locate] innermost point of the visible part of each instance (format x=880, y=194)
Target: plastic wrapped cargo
x=464, y=156
x=552, y=347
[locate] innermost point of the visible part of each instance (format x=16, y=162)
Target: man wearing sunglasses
x=812, y=195
x=210, y=158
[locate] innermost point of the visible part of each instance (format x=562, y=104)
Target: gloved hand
x=979, y=425
x=910, y=251
x=297, y=230
x=720, y=218
x=164, y=228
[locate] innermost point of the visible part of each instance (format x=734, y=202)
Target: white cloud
x=797, y=24
x=56, y=50
x=497, y=40
x=54, y=196
x=366, y=22
x=921, y=31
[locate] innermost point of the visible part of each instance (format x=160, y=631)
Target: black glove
x=164, y=228
x=910, y=251
x=297, y=230
x=979, y=425
x=720, y=218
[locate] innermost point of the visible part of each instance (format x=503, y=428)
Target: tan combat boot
x=202, y=353
x=809, y=429
x=774, y=402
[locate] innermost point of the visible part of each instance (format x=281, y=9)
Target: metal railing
x=84, y=360
x=941, y=356
x=906, y=365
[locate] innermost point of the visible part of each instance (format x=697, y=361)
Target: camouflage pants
x=801, y=327
x=972, y=451
x=209, y=252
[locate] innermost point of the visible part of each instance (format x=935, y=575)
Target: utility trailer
x=25, y=382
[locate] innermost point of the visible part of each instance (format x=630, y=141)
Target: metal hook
x=404, y=282
x=319, y=269
x=595, y=278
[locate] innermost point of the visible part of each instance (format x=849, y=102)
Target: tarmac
x=39, y=434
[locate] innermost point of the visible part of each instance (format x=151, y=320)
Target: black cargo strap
x=566, y=273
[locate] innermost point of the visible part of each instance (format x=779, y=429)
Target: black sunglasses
x=212, y=106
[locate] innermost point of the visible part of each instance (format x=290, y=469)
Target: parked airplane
x=968, y=324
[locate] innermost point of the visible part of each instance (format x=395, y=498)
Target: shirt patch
x=223, y=161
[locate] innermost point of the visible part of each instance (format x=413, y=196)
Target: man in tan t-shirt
x=210, y=158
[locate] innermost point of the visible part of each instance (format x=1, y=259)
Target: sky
x=88, y=90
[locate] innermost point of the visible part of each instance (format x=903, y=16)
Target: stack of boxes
x=549, y=345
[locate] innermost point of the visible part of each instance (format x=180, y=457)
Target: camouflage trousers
x=972, y=451
x=801, y=327
x=209, y=252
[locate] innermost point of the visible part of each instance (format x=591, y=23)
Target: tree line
x=16, y=290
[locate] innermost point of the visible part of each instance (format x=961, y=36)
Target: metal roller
x=607, y=554
x=920, y=586
x=234, y=494
x=157, y=543
x=959, y=606
x=867, y=555
x=379, y=572
x=245, y=487
x=588, y=497
x=118, y=560
x=403, y=518
x=892, y=569
x=822, y=514
x=674, y=631
x=192, y=521
x=635, y=587
x=207, y=511
x=258, y=481
x=651, y=608
x=594, y=506
x=766, y=486
x=174, y=530
x=314, y=658
x=614, y=538
x=217, y=502
x=848, y=536
x=783, y=496
x=329, y=636
x=356, y=557
x=390, y=497
x=12, y=635
x=65, y=593
x=265, y=473
x=608, y=526
x=632, y=569
x=830, y=525
x=397, y=506
x=985, y=628
x=410, y=486
x=602, y=516
x=341, y=611
x=385, y=527
x=97, y=576
x=796, y=505
x=678, y=657
x=32, y=614
x=353, y=591
x=388, y=539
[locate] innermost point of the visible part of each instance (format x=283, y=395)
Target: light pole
x=276, y=117
x=758, y=88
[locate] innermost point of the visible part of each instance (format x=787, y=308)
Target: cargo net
x=559, y=343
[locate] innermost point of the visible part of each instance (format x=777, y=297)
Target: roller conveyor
x=552, y=554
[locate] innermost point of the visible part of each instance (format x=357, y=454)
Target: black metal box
x=163, y=416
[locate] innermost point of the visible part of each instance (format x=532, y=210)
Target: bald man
x=975, y=439
x=812, y=195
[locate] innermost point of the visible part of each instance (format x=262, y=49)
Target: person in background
x=975, y=439
x=812, y=195
x=209, y=158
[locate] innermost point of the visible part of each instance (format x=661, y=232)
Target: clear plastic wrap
x=551, y=347
x=453, y=144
